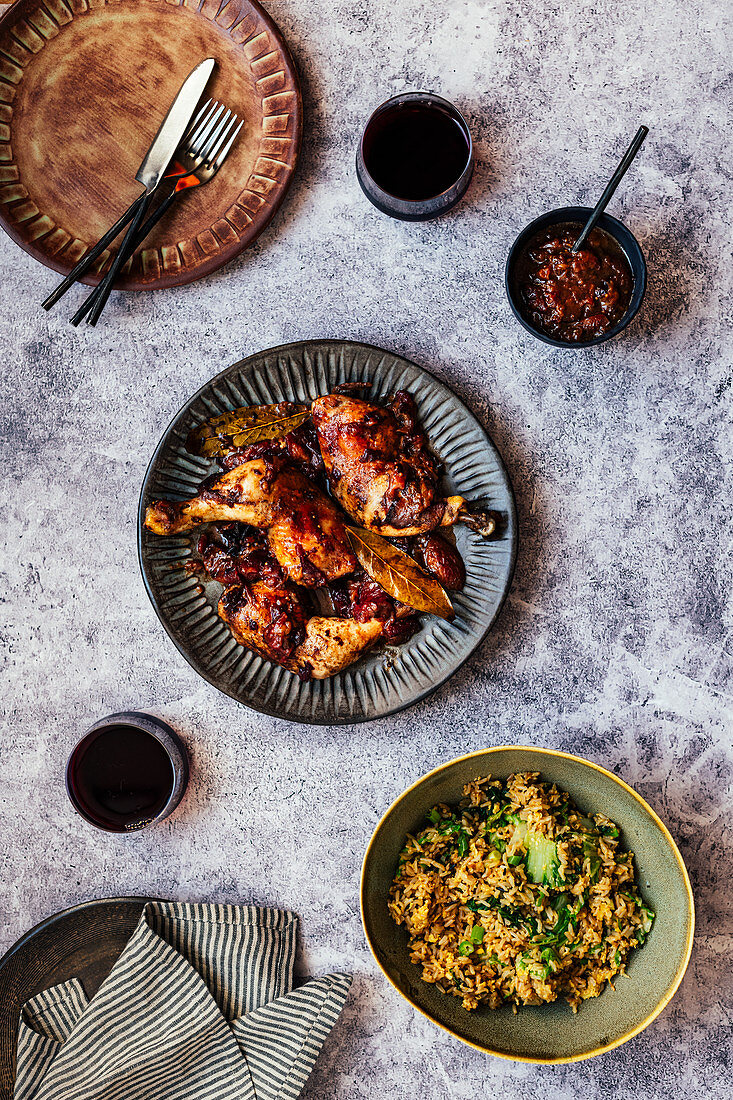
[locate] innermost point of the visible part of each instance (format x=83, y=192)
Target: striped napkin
x=199, y=1006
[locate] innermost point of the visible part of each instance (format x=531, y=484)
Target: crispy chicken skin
x=272, y=622
x=333, y=644
x=273, y=532
x=305, y=530
x=267, y=618
x=379, y=466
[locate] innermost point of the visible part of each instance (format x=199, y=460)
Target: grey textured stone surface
x=616, y=641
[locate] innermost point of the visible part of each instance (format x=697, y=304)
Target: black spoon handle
x=93, y=254
x=613, y=183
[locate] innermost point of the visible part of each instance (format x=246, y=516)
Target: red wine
x=120, y=777
x=415, y=151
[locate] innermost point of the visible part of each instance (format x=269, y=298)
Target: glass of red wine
x=128, y=771
x=415, y=157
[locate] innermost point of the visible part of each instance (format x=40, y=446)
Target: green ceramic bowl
x=545, y=1033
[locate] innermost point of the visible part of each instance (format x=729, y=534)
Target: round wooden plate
x=84, y=86
x=84, y=942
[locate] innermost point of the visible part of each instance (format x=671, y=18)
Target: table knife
x=150, y=173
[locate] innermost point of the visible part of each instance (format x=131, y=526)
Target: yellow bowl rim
x=665, y=833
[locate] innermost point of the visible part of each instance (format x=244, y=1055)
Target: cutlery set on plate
x=188, y=150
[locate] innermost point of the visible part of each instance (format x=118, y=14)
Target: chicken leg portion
x=242, y=495
x=305, y=531
x=379, y=466
x=271, y=622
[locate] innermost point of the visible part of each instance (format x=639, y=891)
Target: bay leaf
x=241, y=427
x=397, y=573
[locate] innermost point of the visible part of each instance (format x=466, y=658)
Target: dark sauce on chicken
x=239, y=556
x=573, y=297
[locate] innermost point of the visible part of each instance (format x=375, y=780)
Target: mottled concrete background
x=616, y=640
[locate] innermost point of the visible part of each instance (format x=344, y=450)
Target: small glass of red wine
x=415, y=157
x=127, y=771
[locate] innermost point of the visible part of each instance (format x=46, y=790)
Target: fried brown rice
x=514, y=896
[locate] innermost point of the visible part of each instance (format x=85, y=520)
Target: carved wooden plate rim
x=263, y=49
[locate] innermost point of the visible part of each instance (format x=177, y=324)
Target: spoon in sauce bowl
x=613, y=183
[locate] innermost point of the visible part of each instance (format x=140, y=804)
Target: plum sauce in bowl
x=575, y=300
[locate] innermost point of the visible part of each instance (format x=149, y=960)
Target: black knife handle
x=154, y=219
x=144, y=232
x=93, y=254
x=96, y=301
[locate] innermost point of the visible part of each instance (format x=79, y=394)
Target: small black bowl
x=414, y=210
x=117, y=757
x=623, y=237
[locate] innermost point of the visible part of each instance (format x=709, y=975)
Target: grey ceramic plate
x=543, y=1033
x=381, y=682
x=84, y=942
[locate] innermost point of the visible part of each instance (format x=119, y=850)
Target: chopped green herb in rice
x=514, y=896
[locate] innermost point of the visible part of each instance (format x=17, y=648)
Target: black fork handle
x=93, y=254
x=96, y=301
x=154, y=219
x=142, y=233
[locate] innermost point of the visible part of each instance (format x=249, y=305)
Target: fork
x=80, y=269
x=201, y=154
x=198, y=168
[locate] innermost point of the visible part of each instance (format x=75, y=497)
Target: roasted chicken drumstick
x=272, y=529
x=380, y=468
x=272, y=622
x=305, y=530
